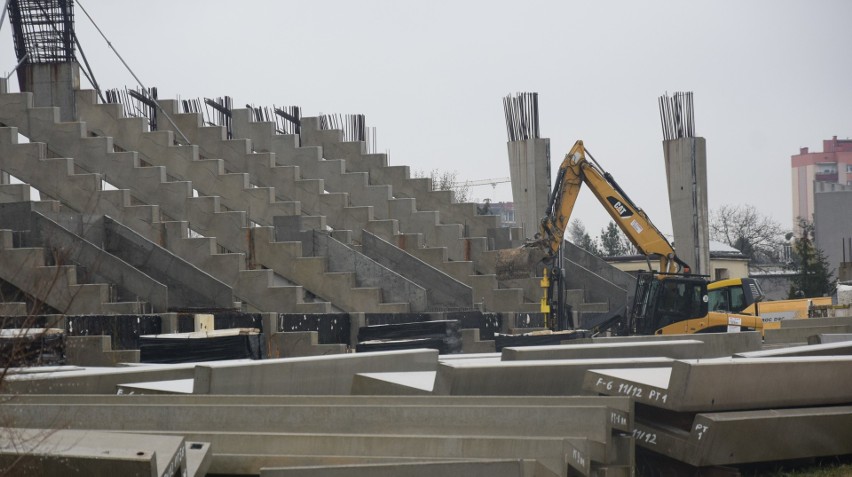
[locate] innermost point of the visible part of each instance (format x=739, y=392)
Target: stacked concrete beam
x=798, y=331
x=585, y=434
x=734, y=403
x=526, y=378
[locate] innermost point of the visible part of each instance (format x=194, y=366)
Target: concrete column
x=686, y=172
x=4, y=88
x=529, y=168
x=53, y=84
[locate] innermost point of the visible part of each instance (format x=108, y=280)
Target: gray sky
x=768, y=76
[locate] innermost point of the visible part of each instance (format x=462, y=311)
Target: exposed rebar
x=521, y=113
x=677, y=116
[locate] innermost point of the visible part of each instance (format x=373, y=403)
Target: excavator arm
x=577, y=170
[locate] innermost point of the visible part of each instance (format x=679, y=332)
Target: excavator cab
x=664, y=299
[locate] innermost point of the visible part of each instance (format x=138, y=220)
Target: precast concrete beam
x=841, y=348
x=716, y=345
x=740, y=437
x=92, y=380
x=553, y=453
x=730, y=384
x=593, y=422
x=676, y=349
x=526, y=378
x=63, y=452
x=485, y=468
x=306, y=375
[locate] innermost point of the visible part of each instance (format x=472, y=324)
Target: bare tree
x=755, y=235
x=447, y=180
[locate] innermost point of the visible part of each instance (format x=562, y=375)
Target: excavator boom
x=577, y=170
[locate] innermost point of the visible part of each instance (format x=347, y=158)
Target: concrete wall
x=599, y=280
x=686, y=171
x=832, y=225
x=188, y=286
x=529, y=168
x=442, y=290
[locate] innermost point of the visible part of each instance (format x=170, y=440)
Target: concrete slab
x=730, y=384
x=307, y=375
x=63, y=452
x=800, y=334
x=829, y=338
x=527, y=378
x=414, y=383
x=728, y=438
x=677, y=349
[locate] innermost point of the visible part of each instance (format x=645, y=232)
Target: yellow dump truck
x=744, y=296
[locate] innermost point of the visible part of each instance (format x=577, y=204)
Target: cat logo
x=622, y=209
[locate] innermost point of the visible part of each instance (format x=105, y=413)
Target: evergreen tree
x=578, y=236
x=614, y=243
x=813, y=277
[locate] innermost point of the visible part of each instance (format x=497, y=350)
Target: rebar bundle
x=677, y=116
x=521, y=113
x=287, y=119
x=136, y=103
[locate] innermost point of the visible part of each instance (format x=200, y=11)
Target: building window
x=722, y=274
x=849, y=168
x=826, y=168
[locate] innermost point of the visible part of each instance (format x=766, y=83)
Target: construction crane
x=482, y=182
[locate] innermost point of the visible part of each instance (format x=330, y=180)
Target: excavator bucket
x=518, y=263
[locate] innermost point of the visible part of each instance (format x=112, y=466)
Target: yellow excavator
x=668, y=301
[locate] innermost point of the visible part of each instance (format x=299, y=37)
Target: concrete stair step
x=10, y=193
x=593, y=307
x=13, y=308
x=126, y=308
x=575, y=297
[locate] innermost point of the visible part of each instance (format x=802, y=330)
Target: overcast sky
x=768, y=77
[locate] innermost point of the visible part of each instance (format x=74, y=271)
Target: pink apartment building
x=833, y=165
